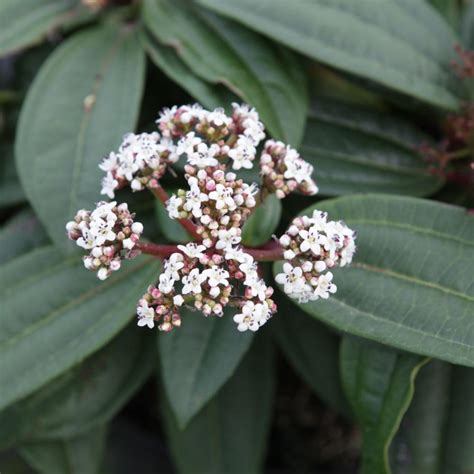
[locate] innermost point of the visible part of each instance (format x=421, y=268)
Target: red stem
x=162, y=195
x=160, y=251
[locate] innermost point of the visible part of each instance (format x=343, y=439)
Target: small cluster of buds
x=208, y=281
x=284, y=171
x=312, y=246
x=465, y=67
x=141, y=161
x=109, y=233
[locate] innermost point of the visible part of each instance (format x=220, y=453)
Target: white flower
x=216, y=276
x=145, y=315
x=347, y=253
x=203, y=155
x=194, y=199
x=218, y=118
x=192, y=250
x=292, y=279
x=325, y=286
x=243, y=154
x=178, y=300
x=104, y=210
x=128, y=244
x=173, y=265
x=311, y=240
x=102, y=230
x=237, y=254
x=128, y=166
x=228, y=238
x=253, y=316
x=87, y=240
x=166, y=283
x=223, y=197
x=110, y=163
x=172, y=206
x=192, y=282
x=187, y=143
x=258, y=289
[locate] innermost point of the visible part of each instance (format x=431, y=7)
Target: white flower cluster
x=109, y=233
x=207, y=281
x=312, y=246
x=141, y=161
x=284, y=171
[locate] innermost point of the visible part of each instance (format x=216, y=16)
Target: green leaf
x=88, y=395
x=379, y=384
x=21, y=233
x=313, y=351
x=164, y=57
x=228, y=435
x=449, y=9
x=263, y=222
x=403, y=45
x=357, y=150
x=48, y=298
x=437, y=432
x=26, y=22
x=197, y=359
x=170, y=228
x=11, y=192
x=88, y=92
x=411, y=282
x=219, y=51
x=467, y=25
x=80, y=455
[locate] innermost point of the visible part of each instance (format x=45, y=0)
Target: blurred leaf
x=219, y=51
x=80, y=455
x=55, y=313
x=313, y=351
x=229, y=434
x=88, y=395
x=411, y=282
x=88, y=92
x=19, y=234
x=263, y=222
x=403, y=44
x=467, y=25
x=11, y=192
x=437, y=432
x=356, y=150
x=449, y=9
x=165, y=58
x=170, y=228
x=26, y=22
x=379, y=384
x=197, y=359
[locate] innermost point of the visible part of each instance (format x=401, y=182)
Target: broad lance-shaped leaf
x=402, y=44
x=88, y=95
x=197, y=359
x=313, y=351
x=378, y=382
x=166, y=58
x=220, y=51
x=411, y=283
x=437, y=432
x=356, y=150
x=79, y=455
x=11, y=192
x=48, y=298
x=26, y=22
x=228, y=435
x=88, y=395
x=467, y=26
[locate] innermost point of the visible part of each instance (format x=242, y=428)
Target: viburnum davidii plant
x=215, y=270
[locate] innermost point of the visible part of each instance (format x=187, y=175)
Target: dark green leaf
x=88, y=92
x=379, y=384
x=220, y=51
x=48, y=298
x=467, y=25
x=11, y=192
x=449, y=9
x=437, y=432
x=411, y=282
x=313, y=350
x=401, y=44
x=80, y=455
x=197, y=359
x=88, y=395
x=356, y=150
x=228, y=435
x=26, y=22
x=21, y=233
x=262, y=223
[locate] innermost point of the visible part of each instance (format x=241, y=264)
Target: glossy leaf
x=19, y=234
x=87, y=94
x=356, y=150
x=467, y=25
x=80, y=455
x=220, y=51
x=313, y=351
x=167, y=59
x=228, y=435
x=48, y=298
x=26, y=22
x=262, y=223
x=411, y=282
x=437, y=432
x=449, y=9
x=403, y=45
x=379, y=383
x=198, y=359
x=88, y=395
x=11, y=192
